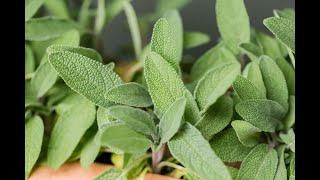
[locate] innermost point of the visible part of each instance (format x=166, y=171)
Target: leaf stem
x=157, y=157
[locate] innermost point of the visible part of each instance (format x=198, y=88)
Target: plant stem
x=157, y=157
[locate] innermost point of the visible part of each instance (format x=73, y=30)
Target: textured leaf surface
x=171, y=120
x=90, y=53
x=289, y=139
x=288, y=73
x=112, y=174
x=191, y=113
x=263, y=114
x=131, y=94
x=233, y=22
x=31, y=7
x=73, y=121
x=29, y=60
x=195, y=153
x=194, y=39
x=285, y=13
x=274, y=81
x=289, y=120
x=33, y=140
x=270, y=46
x=164, y=84
x=45, y=28
x=281, y=173
x=255, y=76
x=134, y=118
x=248, y=134
x=261, y=163
x=228, y=147
x=283, y=29
x=216, y=118
x=251, y=50
x=103, y=116
x=85, y=76
x=119, y=136
x=89, y=152
x=214, y=84
x=245, y=89
x=162, y=42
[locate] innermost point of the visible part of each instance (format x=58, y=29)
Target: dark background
x=198, y=15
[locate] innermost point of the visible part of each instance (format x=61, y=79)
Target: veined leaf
x=164, y=84
x=112, y=174
x=45, y=28
x=191, y=113
x=172, y=120
x=90, y=53
x=253, y=51
x=117, y=135
x=245, y=89
x=194, y=39
x=133, y=26
x=72, y=123
x=274, y=81
x=33, y=141
x=162, y=42
x=233, y=23
x=255, y=76
x=228, y=147
x=289, y=120
x=214, y=84
x=89, y=152
x=176, y=29
x=134, y=118
x=289, y=139
x=261, y=163
x=85, y=76
x=195, y=153
x=31, y=7
x=58, y=8
x=281, y=173
x=216, y=118
x=248, y=134
x=263, y=114
x=283, y=29
x=288, y=73
x=131, y=94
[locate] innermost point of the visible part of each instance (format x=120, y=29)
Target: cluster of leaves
x=231, y=117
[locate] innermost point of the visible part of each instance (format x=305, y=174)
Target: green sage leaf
x=194, y=39
x=89, y=152
x=31, y=7
x=58, y=8
x=248, y=134
x=251, y=50
x=288, y=73
x=289, y=120
x=281, y=173
x=112, y=174
x=245, y=89
x=289, y=139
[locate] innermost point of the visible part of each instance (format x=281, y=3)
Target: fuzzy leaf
x=131, y=94
x=162, y=42
x=233, y=172
x=58, y=8
x=289, y=120
x=288, y=73
x=248, y=134
x=112, y=174
x=31, y=7
x=270, y=46
x=194, y=39
x=33, y=141
x=285, y=13
x=119, y=136
x=195, y=153
x=90, y=53
x=171, y=120
x=216, y=118
x=228, y=147
x=283, y=29
x=89, y=152
x=85, y=76
x=103, y=116
x=245, y=89
x=251, y=50
x=133, y=26
x=191, y=113
x=264, y=114
x=214, y=84
x=45, y=28
x=134, y=118
x=281, y=173
x=233, y=23
x=164, y=84
x=75, y=119
x=29, y=60
x=255, y=76
x=274, y=81
x=260, y=163
x=289, y=139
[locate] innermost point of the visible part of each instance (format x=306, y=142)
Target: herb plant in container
x=228, y=114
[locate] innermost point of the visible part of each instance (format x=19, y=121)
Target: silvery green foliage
x=194, y=39
x=248, y=134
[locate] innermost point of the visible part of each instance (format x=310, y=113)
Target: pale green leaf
x=281, y=173
x=248, y=134
x=84, y=14
x=216, y=118
x=31, y=7
x=233, y=172
x=292, y=169
x=134, y=118
x=191, y=113
x=283, y=29
x=233, y=23
x=263, y=114
x=228, y=147
x=162, y=42
x=274, y=81
x=100, y=17
x=164, y=5
x=86, y=76
x=194, y=152
x=33, y=141
x=270, y=46
x=119, y=136
x=164, y=84
x=214, y=84
x=261, y=163
x=29, y=60
x=194, y=39
x=72, y=123
x=289, y=74
x=289, y=120
x=112, y=174
x=88, y=52
x=289, y=139
x=251, y=50
x=255, y=76
x=133, y=26
x=89, y=152
x=245, y=89
x=285, y=13
x=131, y=94
x=103, y=116
x=57, y=8
x=45, y=28
x=171, y=120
